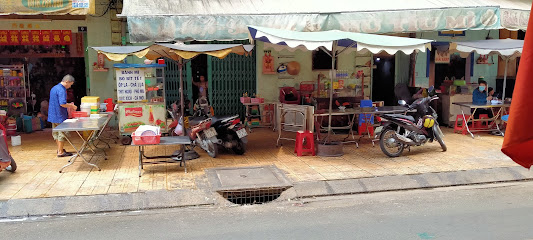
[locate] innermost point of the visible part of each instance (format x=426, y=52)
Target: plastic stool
x=460, y=127
x=364, y=128
x=479, y=124
x=308, y=147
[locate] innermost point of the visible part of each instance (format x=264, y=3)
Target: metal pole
x=505, y=78
x=182, y=101
x=332, y=76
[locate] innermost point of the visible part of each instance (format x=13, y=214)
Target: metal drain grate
x=252, y=196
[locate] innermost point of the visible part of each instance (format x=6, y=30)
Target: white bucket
x=16, y=141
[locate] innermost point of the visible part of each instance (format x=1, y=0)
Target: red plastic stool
x=460, y=127
x=308, y=147
x=479, y=124
x=364, y=128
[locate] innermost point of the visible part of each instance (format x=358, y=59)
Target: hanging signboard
x=4, y=36
x=130, y=85
x=48, y=7
x=35, y=37
x=66, y=37
x=14, y=37
x=442, y=56
x=46, y=37
x=25, y=37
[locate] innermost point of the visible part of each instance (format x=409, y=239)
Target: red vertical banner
x=35, y=36
x=56, y=37
x=14, y=37
x=66, y=37
x=4, y=36
x=46, y=37
x=79, y=43
x=25, y=37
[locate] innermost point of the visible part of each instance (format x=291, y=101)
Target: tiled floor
x=38, y=168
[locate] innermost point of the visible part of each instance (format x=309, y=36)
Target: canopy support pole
x=505, y=78
x=332, y=76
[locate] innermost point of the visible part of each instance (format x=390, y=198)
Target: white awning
x=503, y=47
x=169, y=20
x=327, y=39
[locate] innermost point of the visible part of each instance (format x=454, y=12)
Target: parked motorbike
x=399, y=131
x=210, y=132
x=6, y=161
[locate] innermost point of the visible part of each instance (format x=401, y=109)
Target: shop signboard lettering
x=56, y=37
x=134, y=112
x=73, y=7
x=25, y=37
x=4, y=36
x=35, y=37
x=66, y=37
x=45, y=34
x=14, y=37
x=130, y=85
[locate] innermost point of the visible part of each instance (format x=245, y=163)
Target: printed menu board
x=130, y=85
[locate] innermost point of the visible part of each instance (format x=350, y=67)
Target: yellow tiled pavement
x=38, y=176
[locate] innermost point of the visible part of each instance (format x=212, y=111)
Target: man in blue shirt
x=479, y=97
x=57, y=111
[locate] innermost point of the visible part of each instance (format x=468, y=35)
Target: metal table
x=175, y=158
x=496, y=115
x=94, y=125
x=373, y=111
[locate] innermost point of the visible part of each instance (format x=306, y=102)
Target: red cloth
x=518, y=141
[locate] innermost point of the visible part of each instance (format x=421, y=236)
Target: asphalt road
x=498, y=211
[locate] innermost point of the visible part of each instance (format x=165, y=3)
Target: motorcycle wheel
x=240, y=149
x=12, y=167
x=387, y=141
x=438, y=135
x=211, y=148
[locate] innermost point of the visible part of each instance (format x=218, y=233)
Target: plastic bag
x=178, y=130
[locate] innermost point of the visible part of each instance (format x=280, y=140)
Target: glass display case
x=13, y=89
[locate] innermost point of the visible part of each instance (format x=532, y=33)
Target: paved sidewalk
x=38, y=176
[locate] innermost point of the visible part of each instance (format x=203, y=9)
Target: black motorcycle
x=399, y=131
x=224, y=131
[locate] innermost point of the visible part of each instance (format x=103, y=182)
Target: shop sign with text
x=35, y=37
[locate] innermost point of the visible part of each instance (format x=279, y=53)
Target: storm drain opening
x=252, y=196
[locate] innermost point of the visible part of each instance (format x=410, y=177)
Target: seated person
x=479, y=97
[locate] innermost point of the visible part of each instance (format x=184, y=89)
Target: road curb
x=415, y=181
x=16, y=208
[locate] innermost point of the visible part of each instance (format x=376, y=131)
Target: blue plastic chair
x=505, y=118
x=363, y=118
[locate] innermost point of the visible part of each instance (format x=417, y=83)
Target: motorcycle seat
x=217, y=119
x=410, y=118
x=196, y=120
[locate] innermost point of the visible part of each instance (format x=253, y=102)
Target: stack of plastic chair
x=366, y=120
x=308, y=147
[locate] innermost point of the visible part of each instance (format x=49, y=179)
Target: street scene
x=204, y=119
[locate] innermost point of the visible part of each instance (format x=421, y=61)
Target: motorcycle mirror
x=402, y=102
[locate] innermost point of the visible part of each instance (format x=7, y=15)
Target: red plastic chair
x=287, y=90
x=460, y=122
x=308, y=147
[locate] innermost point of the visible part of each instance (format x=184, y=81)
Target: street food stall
x=180, y=54
x=507, y=49
x=334, y=43
x=140, y=97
